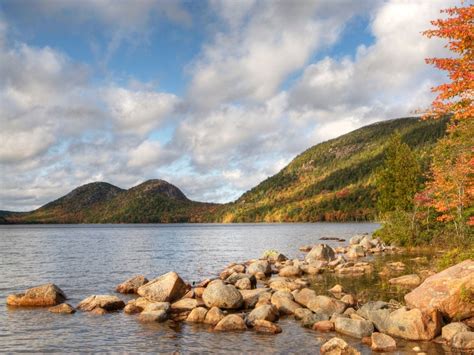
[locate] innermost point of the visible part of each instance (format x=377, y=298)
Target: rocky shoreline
x=255, y=294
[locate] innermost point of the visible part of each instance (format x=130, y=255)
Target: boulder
x=355, y=251
x=41, y=296
x=305, y=248
x=349, y=300
x=214, y=316
x=336, y=289
x=450, y=330
x=366, y=310
x=275, y=257
x=463, y=341
x=304, y=296
x=132, y=308
x=266, y=327
x=62, y=308
x=284, y=302
x=283, y=284
x=337, y=346
x=354, y=327
x=187, y=304
x=166, y=288
x=324, y=326
x=237, y=276
x=290, y=271
x=412, y=280
x=197, y=315
x=407, y=324
x=231, y=322
x=382, y=342
x=327, y=304
x=309, y=319
x=153, y=316
x=251, y=297
x=260, y=266
x=300, y=313
x=356, y=239
x=266, y=312
x=244, y=284
x=218, y=294
x=106, y=302
x=321, y=252
x=198, y=291
x=446, y=291
x=132, y=285
x=157, y=306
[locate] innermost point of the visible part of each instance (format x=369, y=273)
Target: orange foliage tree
x=451, y=187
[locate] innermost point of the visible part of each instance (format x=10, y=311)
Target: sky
x=212, y=96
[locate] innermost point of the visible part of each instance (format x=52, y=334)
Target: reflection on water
x=85, y=260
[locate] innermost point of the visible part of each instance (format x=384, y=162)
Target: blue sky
x=213, y=96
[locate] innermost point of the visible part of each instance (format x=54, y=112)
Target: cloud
x=151, y=153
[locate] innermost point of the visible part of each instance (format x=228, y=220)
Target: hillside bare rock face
x=354, y=327
x=107, y=303
x=132, y=285
x=62, y=308
x=166, y=288
x=218, y=294
x=231, y=322
x=41, y=296
x=337, y=346
x=407, y=324
x=320, y=252
x=444, y=291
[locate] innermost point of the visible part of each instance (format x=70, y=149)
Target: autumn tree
x=451, y=185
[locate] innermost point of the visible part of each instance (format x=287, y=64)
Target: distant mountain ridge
x=331, y=181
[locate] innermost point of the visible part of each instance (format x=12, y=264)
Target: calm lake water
x=92, y=259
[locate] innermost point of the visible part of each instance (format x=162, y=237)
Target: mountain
x=333, y=180
x=154, y=201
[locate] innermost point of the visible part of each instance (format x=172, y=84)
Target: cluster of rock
x=255, y=294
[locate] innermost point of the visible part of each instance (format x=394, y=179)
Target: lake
x=92, y=259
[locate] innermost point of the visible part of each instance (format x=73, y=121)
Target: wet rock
x=284, y=284
x=218, y=294
x=132, y=285
x=290, y=271
x=327, y=304
x=153, y=316
x=371, y=306
x=266, y=327
x=214, y=316
x=187, y=304
x=304, y=296
x=320, y=252
x=407, y=324
x=355, y=251
x=62, y=308
x=264, y=299
x=300, y=313
x=244, y=284
x=310, y=270
x=382, y=342
x=310, y=318
x=324, y=326
x=354, y=327
x=337, y=346
x=157, y=306
x=445, y=291
x=197, y=315
x=450, y=330
x=396, y=266
x=40, y=296
x=305, y=248
x=132, y=308
x=166, y=288
x=412, y=280
x=463, y=341
x=284, y=302
x=251, y=297
x=105, y=302
x=266, y=312
x=98, y=311
x=260, y=266
x=231, y=322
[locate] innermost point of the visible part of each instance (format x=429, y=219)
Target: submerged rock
x=63, y=308
x=382, y=342
x=218, y=294
x=41, y=296
x=337, y=346
x=231, y=322
x=267, y=327
x=107, y=303
x=132, y=285
x=412, y=280
x=166, y=288
x=446, y=291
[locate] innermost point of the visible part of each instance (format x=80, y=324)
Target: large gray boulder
x=354, y=327
x=218, y=294
x=320, y=252
x=259, y=266
x=166, y=288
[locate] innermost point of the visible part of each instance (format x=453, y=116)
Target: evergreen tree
x=398, y=179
